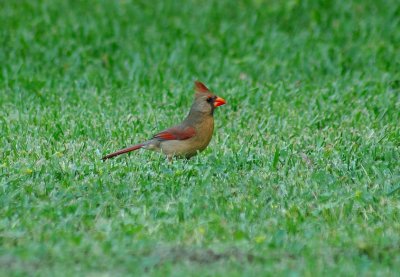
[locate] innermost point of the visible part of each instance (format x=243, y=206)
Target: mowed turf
x=302, y=176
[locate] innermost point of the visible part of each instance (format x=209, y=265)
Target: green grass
x=302, y=176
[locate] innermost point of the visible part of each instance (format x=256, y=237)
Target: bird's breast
x=204, y=132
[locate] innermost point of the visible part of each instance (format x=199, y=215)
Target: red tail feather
x=123, y=151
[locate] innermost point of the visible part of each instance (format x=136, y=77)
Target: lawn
x=302, y=176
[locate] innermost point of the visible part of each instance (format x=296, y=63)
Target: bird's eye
x=209, y=99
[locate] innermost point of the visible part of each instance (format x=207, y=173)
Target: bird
x=188, y=138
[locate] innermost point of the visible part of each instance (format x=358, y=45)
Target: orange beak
x=219, y=102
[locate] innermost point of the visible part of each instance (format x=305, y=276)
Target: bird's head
x=204, y=100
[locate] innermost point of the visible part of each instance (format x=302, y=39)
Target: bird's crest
x=200, y=87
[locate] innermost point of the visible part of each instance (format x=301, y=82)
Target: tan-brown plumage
x=191, y=136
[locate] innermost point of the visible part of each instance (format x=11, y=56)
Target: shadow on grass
x=181, y=254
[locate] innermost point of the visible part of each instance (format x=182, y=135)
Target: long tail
x=123, y=151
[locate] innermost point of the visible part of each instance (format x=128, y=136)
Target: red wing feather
x=176, y=133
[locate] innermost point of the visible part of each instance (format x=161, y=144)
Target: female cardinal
x=191, y=136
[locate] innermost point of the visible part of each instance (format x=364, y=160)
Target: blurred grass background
x=302, y=176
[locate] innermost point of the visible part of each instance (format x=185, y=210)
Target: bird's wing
x=176, y=133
